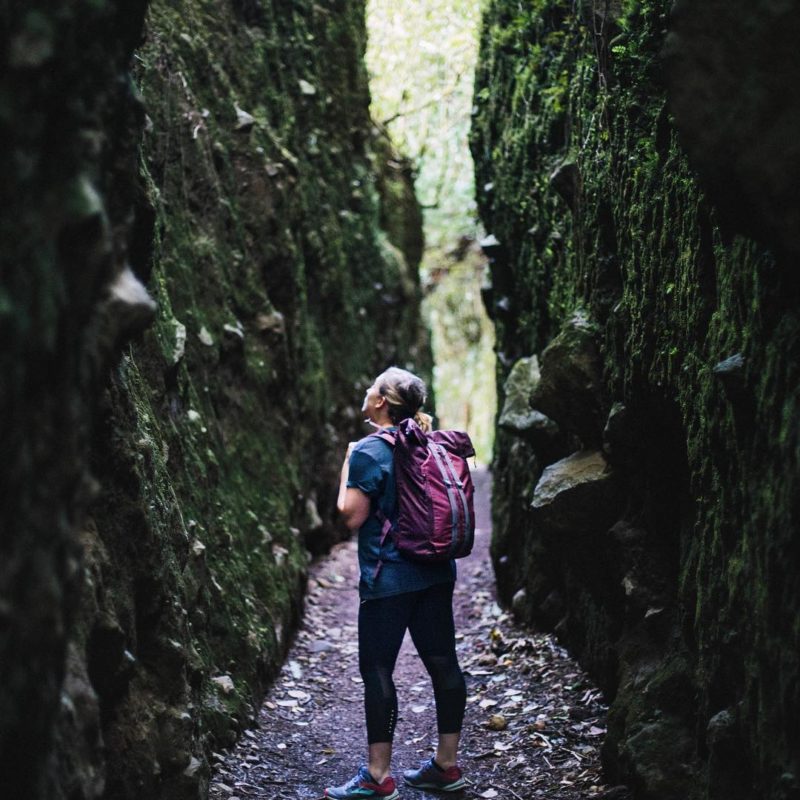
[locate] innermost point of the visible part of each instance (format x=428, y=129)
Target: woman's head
x=401, y=395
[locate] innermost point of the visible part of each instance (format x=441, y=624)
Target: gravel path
x=533, y=726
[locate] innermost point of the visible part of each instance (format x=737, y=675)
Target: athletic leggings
x=382, y=623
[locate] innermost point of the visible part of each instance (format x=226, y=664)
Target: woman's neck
x=382, y=425
x=382, y=419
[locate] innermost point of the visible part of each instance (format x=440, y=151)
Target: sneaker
x=431, y=776
x=364, y=785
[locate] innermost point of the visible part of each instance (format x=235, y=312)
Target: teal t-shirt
x=372, y=471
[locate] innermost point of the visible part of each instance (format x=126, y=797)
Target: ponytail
x=425, y=421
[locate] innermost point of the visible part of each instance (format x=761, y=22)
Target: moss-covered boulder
x=574, y=494
x=518, y=415
x=584, y=184
x=570, y=388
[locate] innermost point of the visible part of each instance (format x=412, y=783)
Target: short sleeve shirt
x=372, y=471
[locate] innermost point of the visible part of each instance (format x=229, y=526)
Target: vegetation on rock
x=238, y=173
x=685, y=607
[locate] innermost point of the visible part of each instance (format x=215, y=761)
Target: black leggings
x=382, y=623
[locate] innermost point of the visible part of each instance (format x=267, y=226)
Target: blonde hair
x=405, y=395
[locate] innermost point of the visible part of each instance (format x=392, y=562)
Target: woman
x=397, y=594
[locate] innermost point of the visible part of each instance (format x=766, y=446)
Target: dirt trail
x=311, y=729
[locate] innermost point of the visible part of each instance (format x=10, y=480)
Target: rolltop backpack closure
x=435, y=494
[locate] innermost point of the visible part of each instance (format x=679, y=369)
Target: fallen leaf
x=489, y=793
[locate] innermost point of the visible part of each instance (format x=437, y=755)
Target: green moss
x=639, y=247
x=283, y=257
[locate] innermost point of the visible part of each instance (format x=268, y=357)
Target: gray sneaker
x=431, y=776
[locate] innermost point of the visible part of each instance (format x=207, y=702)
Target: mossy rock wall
x=673, y=574
x=218, y=156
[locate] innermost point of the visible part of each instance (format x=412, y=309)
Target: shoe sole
x=395, y=795
x=447, y=787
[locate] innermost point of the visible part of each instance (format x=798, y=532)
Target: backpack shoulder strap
x=386, y=524
x=386, y=436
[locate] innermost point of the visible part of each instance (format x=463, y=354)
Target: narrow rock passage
x=533, y=725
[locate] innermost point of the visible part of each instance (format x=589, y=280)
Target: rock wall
x=209, y=171
x=70, y=121
x=647, y=323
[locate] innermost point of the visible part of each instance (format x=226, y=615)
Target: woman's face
x=373, y=402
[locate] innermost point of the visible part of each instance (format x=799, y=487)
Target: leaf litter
x=534, y=721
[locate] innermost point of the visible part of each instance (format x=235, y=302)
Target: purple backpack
x=435, y=517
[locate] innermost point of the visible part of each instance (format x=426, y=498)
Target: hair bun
x=405, y=394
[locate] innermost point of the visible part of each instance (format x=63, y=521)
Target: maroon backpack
x=435, y=517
